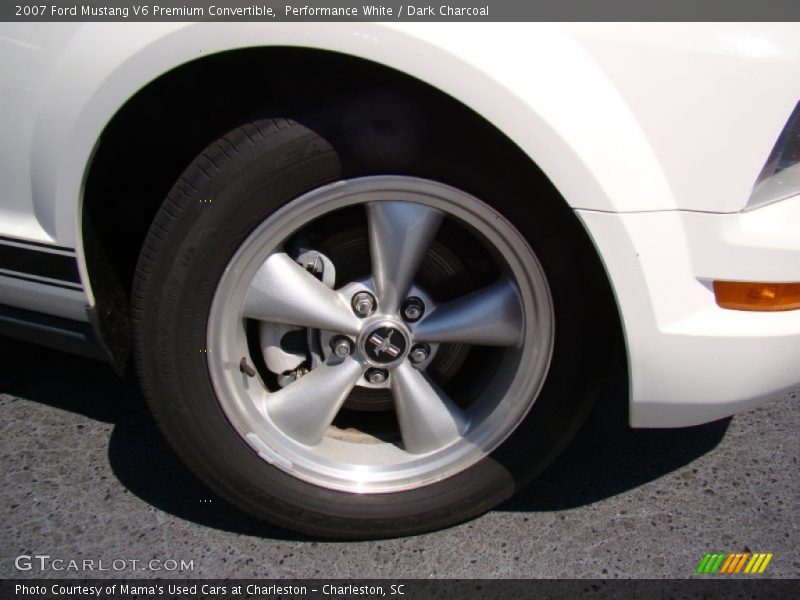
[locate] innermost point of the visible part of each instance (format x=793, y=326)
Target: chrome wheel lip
x=239, y=396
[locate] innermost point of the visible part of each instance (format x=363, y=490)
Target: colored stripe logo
x=731, y=563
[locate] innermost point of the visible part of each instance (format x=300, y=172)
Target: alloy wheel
x=290, y=343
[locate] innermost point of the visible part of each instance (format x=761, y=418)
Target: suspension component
x=319, y=265
x=288, y=377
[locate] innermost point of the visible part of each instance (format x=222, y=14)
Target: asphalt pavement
x=87, y=476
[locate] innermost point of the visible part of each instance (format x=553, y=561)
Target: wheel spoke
x=304, y=409
x=491, y=316
x=283, y=292
x=399, y=235
x=428, y=418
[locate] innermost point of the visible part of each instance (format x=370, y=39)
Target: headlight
x=780, y=177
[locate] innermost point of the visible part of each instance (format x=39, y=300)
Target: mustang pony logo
x=384, y=344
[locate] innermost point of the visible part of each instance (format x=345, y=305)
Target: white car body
x=653, y=133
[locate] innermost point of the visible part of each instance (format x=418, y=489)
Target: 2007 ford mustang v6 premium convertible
x=371, y=275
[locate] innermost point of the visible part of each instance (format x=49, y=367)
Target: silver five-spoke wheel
x=346, y=369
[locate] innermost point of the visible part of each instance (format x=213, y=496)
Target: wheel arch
x=144, y=78
x=567, y=125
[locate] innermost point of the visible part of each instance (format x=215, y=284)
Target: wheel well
x=166, y=124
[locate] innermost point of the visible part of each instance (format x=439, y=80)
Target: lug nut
x=412, y=313
x=341, y=346
x=376, y=376
x=363, y=304
x=413, y=309
x=419, y=353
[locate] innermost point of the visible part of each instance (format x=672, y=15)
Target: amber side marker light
x=747, y=295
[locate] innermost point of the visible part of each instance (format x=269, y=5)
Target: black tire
x=238, y=182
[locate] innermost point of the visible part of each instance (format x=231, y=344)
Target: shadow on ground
x=605, y=459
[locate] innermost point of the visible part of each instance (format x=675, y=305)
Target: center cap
x=384, y=345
